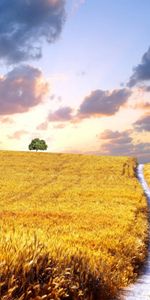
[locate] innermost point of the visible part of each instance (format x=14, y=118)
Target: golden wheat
x=71, y=226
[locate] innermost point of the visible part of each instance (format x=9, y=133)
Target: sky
x=77, y=74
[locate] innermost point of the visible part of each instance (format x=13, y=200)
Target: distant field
x=72, y=226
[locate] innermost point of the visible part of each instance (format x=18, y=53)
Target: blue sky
x=102, y=39
x=76, y=95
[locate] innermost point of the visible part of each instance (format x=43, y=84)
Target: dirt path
x=141, y=289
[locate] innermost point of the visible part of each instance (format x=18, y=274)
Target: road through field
x=141, y=289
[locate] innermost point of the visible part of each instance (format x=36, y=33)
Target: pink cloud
x=21, y=89
x=18, y=134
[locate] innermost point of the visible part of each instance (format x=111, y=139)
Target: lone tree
x=37, y=144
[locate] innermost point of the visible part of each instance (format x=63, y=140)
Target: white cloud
x=76, y=5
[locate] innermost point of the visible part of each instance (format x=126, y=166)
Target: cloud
x=24, y=24
x=54, y=117
x=103, y=103
x=98, y=104
x=76, y=5
x=6, y=120
x=143, y=124
x=63, y=114
x=116, y=142
x=59, y=126
x=42, y=126
x=109, y=134
x=56, y=98
x=141, y=72
x=143, y=105
x=121, y=143
x=18, y=134
x=146, y=88
x=81, y=73
x=20, y=89
x=119, y=137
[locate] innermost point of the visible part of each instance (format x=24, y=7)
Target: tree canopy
x=37, y=144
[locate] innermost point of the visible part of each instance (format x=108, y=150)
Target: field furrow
x=72, y=226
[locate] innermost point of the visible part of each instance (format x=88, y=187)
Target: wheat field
x=72, y=226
